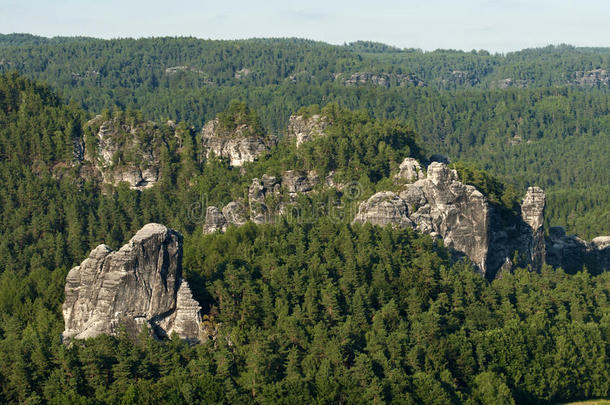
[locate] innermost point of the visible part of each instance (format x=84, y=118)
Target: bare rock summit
x=140, y=284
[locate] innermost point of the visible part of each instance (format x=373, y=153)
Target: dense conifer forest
x=313, y=309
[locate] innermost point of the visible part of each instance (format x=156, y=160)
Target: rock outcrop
x=140, y=284
x=295, y=181
x=214, y=220
x=304, y=129
x=257, y=193
x=532, y=213
x=594, y=78
x=439, y=205
x=410, y=170
x=125, y=152
x=238, y=145
x=234, y=213
x=381, y=79
x=571, y=253
x=259, y=209
x=384, y=208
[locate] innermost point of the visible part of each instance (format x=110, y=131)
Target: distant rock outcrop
x=305, y=129
x=125, y=152
x=382, y=79
x=140, y=284
x=440, y=205
x=593, y=78
x=238, y=145
x=257, y=209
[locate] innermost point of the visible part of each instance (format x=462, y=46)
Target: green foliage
x=548, y=129
x=310, y=309
x=238, y=114
x=496, y=191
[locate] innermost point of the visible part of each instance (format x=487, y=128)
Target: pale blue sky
x=495, y=25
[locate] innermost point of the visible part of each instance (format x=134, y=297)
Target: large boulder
x=139, y=285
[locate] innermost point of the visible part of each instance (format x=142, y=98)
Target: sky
x=493, y=25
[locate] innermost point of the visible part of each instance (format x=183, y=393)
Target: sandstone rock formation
x=594, y=78
x=382, y=79
x=439, y=205
x=294, y=181
x=570, y=252
x=257, y=192
x=305, y=129
x=234, y=213
x=239, y=145
x=384, y=208
x=532, y=213
x=125, y=152
x=410, y=170
x=214, y=220
x=258, y=209
x=140, y=284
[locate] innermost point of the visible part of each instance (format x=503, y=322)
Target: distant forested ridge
x=534, y=117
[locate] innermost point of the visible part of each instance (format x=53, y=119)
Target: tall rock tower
x=532, y=212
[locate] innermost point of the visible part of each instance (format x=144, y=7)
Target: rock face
x=126, y=152
x=258, y=209
x=532, y=212
x=570, y=252
x=238, y=145
x=410, y=170
x=305, y=129
x=140, y=284
x=384, y=208
x=439, y=205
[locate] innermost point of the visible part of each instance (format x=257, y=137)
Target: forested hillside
x=534, y=117
x=315, y=310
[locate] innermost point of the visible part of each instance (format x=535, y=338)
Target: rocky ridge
x=139, y=285
x=381, y=79
x=257, y=208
